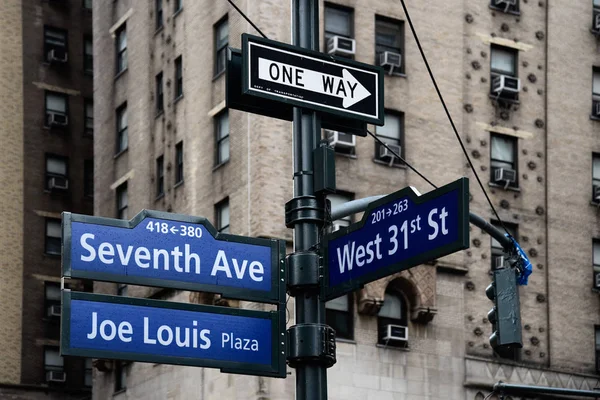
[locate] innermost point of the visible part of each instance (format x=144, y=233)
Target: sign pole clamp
x=303, y=272
x=311, y=343
x=304, y=209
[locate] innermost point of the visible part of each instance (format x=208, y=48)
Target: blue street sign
x=397, y=232
x=176, y=251
x=114, y=327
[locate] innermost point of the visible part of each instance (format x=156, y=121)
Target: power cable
x=247, y=19
x=437, y=89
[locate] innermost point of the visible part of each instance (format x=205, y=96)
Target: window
x=56, y=109
x=55, y=44
x=222, y=216
x=596, y=93
x=222, y=137
x=504, y=83
x=53, y=236
x=122, y=137
x=51, y=297
x=121, y=49
x=503, y=156
x=120, y=376
x=596, y=263
x=179, y=161
x=178, y=77
x=52, y=360
x=178, y=4
x=504, y=61
x=394, y=311
x=88, y=178
x=122, y=201
x=596, y=3
x=88, y=55
x=339, y=21
x=389, y=36
x=89, y=116
x=87, y=4
x=159, y=14
x=595, y=177
x=597, y=337
x=159, y=94
x=160, y=176
x=392, y=134
x=339, y=314
x=505, y=6
x=87, y=377
x=337, y=200
x=56, y=172
x=497, y=250
x=221, y=41
x=121, y=289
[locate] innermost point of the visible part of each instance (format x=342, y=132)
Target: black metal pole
x=506, y=388
x=311, y=376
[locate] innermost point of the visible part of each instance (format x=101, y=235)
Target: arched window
x=392, y=319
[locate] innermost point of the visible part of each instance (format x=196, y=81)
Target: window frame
x=120, y=376
x=515, y=60
x=121, y=59
x=597, y=346
x=178, y=77
x=48, y=301
x=179, y=162
x=595, y=180
x=595, y=96
x=88, y=182
x=400, y=23
x=160, y=176
x=47, y=110
x=48, y=238
x=515, y=163
x=122, y=210
x=122, y=132
x=220, y=48
x=516, y=10
x=333, y=316
x=400, y=140
x=220, y=140
x=53, y=367
x=50, y=46
x=88, y=59
x=351, y=29
x=49, y=175
x=160, y=98
x=86, y=117
x=158, y=11
x=219, y=207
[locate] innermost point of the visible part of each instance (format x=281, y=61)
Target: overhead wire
x=247, y=19
x=439, y=93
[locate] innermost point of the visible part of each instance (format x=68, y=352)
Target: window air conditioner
x=507, y=4
x=54, y=310
x=341, y=46
x=504, y=174
x=384, y=152
x=390, y=59
x=58, y=182
x=395, y=333
x=498, y=262
x=340, y=139
x=505, y=84
x=596, y=194
x=57, y=55
x=597, y=280
x=56, y=376
x=597, y=21
x=56, y=119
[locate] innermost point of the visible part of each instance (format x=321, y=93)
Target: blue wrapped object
x=525, y=269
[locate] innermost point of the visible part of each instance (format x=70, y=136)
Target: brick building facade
x=47, y=168
x=167, y=142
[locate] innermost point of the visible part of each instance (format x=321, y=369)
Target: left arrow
x=346, y=87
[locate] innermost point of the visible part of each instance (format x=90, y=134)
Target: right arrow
x=346, y=87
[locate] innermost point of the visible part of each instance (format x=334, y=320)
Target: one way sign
x=313, y=80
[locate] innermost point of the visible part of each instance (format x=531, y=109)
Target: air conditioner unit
x=340, y=139
x=396, y=333
x=507, y=4
x=505, y=84
x=54, y=310
x=597, y=280
x=498, y=262
x=341, y=46
x=56, y=119
x=56, y=376
x=57, y=55
x=505, y=175
x=384, y=152
x=597, y=21
x=390, y=59
x=58, y=182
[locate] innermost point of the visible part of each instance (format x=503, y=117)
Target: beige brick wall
x=11, y=180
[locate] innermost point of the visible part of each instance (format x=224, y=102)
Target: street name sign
x=397, y=232
x=173, y=251
x=313, y=80
x=125, y=328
